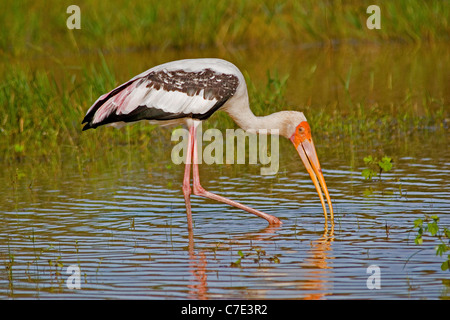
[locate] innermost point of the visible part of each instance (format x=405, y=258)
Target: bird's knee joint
x=186, y=190
x=199, y=191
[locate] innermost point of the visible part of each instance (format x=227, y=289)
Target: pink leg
x=187, y=178
x=200, y=191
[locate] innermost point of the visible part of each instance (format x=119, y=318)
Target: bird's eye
x=301, y=130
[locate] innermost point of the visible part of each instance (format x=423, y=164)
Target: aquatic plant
x=375, y=166
x=430, y=224
x=257, y=254
x=9, y=264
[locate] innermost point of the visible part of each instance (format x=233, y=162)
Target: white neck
x=283, y=121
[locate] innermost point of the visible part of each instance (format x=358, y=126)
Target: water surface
x=122, y=220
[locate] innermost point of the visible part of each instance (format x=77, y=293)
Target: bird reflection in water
x=315, y=287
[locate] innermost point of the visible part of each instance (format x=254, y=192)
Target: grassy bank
x=42, y=115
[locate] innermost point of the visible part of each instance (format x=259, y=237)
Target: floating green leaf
x=385, y=164
x=418, y=223
x=446, y=264
x=433, y=228
x=368, y=160
x=369, y=174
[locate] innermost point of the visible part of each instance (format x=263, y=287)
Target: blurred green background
x=188, y=24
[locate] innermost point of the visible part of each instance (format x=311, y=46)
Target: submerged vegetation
x=258, y=256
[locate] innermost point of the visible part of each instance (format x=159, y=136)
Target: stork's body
x=190, y=91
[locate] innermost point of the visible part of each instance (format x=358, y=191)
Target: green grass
x=40, y=26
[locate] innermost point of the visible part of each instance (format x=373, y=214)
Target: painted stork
x=190, y=91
